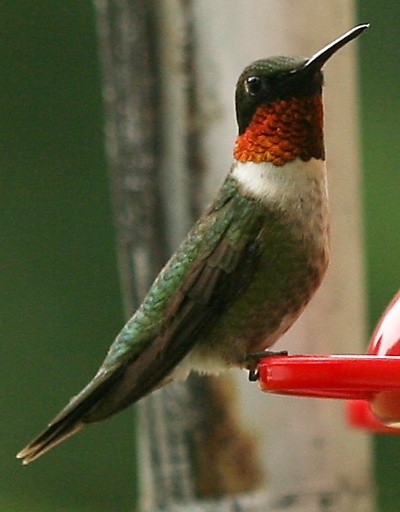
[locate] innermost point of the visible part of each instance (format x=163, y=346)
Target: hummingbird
x=248, y=267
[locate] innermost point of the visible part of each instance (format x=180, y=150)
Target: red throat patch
x=282, y=131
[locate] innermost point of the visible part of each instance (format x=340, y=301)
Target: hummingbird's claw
x=253, y=375
x=251, y=361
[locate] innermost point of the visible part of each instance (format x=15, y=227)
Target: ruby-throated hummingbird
x=248, y=267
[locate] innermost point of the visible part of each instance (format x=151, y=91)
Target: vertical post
x=304, y=443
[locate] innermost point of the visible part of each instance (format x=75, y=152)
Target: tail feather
x=53, y=435
x=70, y=420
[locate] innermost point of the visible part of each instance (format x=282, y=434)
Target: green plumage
x=232, y=221
x=221, y=294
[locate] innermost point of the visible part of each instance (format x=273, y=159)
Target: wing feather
x=219, y=265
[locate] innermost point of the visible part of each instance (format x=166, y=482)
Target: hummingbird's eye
x=253, y=85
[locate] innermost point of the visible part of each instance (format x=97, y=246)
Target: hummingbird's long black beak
x=318, y=59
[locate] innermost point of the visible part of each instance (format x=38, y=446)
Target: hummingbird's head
x=279, y=106
x=267, y=81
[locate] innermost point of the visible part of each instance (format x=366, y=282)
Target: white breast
x=298, y=188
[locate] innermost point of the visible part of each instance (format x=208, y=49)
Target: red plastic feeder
x=371, y=381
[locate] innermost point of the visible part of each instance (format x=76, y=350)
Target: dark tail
x=53, y=435
x=70, y=420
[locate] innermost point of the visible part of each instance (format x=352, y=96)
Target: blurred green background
x=58, y=279
x=59, y=283
x=380, y=139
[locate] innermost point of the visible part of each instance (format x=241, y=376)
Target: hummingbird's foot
x=251, y=361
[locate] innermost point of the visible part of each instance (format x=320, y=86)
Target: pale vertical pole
x=313, y=461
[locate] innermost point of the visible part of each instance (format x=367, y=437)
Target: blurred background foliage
x=60, y=300
x=60, y=297
x=380, y=145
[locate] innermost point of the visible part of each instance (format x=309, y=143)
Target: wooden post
x=312, y=460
